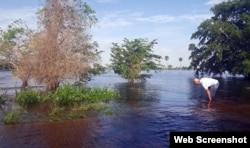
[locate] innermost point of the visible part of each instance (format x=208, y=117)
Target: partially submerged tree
x=60, y=49
x=134, y=57
x=14, y=42
x=62, y=44
x=224, y=40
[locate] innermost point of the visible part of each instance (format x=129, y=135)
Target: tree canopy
x=224, y=40
x=133, y=57
x=14, y=42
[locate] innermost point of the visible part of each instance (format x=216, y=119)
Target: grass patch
x=67, y=102
x=71, y=94
x=3, y=98
x=28, y=98
x=14, y=117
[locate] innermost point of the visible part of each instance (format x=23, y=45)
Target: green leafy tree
x=224, y=40
x=133, y=57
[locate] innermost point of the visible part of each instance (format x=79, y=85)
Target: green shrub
x=56, y=111
x=12, y=117
x=100, y=95
x=71, y=94
x=28, y=98
x=3, y=98
x=67, y=95
x=47, y=97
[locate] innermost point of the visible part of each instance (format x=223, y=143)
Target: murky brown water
x=145, y=115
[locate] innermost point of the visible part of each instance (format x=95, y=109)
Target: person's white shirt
x=208, y=82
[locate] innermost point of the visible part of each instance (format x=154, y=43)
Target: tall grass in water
x=28, y=98
x=70, y=94
x=67, y=102
x=14, y=117
x=3, y=98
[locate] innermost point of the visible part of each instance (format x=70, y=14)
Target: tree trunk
x=53, y=87
x=24, y=84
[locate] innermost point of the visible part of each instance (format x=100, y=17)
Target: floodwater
x=144, y=116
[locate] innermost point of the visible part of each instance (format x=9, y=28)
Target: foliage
x=14, y=46
x=56, y=111
x=13, y=117
x=224, y=40
x=78, y=98
x=67, y=102
x=97, y=94
x=28, y=98
x=133, y=57
x=71, y=94
x=96, y=69
x=67, y=95
x=63, y=45
x=3, y=98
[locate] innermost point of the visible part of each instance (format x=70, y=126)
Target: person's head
x=197, y=81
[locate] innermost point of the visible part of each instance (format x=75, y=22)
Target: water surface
x=144, y=115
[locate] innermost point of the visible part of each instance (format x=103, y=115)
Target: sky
x=170, y=22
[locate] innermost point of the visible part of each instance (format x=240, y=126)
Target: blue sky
x=171, y=22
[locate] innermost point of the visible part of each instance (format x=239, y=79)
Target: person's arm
x=209, y=94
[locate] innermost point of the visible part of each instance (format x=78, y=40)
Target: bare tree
x=62, y=45
x=59, y=49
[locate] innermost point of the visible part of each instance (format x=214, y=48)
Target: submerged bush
x=56, y=111
x=67, y=102
x=100, y=95
x=3, y=98
x=12, y=117
x=70, y=94
x=67, y=95
x=28, y=98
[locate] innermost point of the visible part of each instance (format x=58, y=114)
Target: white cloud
x=213, y=2
x=114, y=22
x=157, y=19
x=115, y=19
x=195, y=17
x=28, y=15
x=106, y=1
x=125, y=18
x=168, y=18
